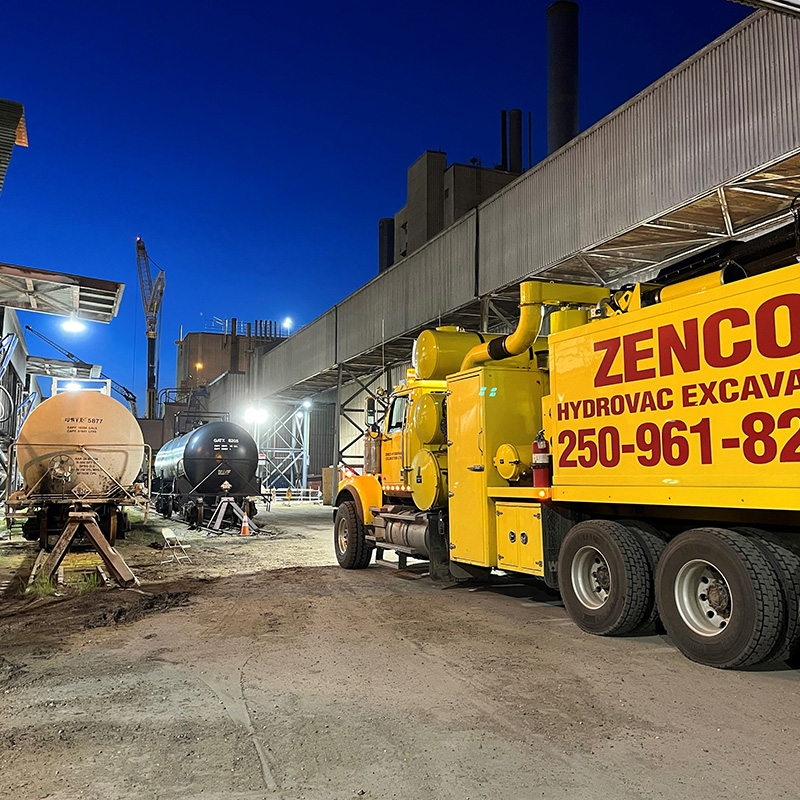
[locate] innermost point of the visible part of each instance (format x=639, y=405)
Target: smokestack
x=515, y=141
x=234, y=345
x=504, y=141
x=385, y=243
x=562, y=74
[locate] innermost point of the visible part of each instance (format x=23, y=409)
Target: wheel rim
x=341, y=534
x=703, y=598
x=591, y=577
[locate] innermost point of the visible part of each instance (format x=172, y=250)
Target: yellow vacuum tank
x=439, y=353
x=429, y=479
x=428, y=418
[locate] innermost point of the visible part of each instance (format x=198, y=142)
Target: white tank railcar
x=78, y=446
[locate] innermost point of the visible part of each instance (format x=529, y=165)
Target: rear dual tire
x=719, y=598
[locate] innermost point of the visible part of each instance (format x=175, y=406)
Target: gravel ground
x=262, y=671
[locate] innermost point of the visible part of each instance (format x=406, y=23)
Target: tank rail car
x=195, y=471
x=643, y=458
x=81, y=448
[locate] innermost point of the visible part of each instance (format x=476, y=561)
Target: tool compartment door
x=519, y=537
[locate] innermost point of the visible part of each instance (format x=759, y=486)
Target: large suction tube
x=518, y=341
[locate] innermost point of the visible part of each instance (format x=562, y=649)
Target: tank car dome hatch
x=79, y=442
x=209, y=456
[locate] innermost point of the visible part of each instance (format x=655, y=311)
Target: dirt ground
x=262, y=671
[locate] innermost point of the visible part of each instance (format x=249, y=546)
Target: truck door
x=392, y=450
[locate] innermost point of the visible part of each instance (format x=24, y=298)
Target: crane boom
x=152, y=295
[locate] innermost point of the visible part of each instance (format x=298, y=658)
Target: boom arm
x=152, y=295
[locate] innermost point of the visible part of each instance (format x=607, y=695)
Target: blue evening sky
x=254, y=146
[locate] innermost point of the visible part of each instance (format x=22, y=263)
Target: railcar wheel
x=719, y=598
x=353, y=551
x=786, y=564
x=604, y=578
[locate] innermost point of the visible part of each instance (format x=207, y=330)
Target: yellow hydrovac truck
x=643, y=458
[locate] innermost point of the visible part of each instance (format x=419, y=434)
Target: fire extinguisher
x=541, y=462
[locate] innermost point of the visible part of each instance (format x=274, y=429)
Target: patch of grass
x=88, y=582
x=42, y=587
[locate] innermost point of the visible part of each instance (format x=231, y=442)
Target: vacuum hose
x=514, y=343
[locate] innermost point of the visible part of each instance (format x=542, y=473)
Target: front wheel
x=353, y=551
x=719, y=598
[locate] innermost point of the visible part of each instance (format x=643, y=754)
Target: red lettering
x=617, y=404
x=563, y=411
x=588, y=408
x=708, y=393
x=738, y=318
x=648, y=403
x=724, y=394
x=575, y=405
x=603, y=376
x=602, y=406
x=688, y=394
x=632, y=355
x=664, y=399
x=767, y=329
x=632, y=402
x=772, y=389
x=792, y=382
x=751, y=388
x=686, y=351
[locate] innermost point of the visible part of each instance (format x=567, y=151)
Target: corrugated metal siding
x=321, y=427
x=722, y=113
x=432, y=281
x=308, y=352
x=231, y=393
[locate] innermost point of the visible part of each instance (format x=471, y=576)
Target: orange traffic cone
x=245, y=526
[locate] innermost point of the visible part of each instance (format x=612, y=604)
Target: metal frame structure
x=284, y=441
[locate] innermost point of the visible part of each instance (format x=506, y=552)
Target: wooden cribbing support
x=87, y=520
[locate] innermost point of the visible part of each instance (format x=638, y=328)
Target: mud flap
x=556, y=522
x=439, y=547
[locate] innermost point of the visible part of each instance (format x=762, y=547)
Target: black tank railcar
x=191, y=470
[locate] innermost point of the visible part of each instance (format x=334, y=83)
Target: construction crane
x=125, y=393
x=152, y=295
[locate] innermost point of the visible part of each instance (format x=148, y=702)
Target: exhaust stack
x=562, y=74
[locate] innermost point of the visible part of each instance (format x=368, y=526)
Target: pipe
x=503, y=141
x=515, y=343
x=562, y=74
x=728, y=274
x=515, y=141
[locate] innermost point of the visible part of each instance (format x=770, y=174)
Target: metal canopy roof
x=12, y=131
x=740, y=210
x=30, y=289
x=59, y=368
